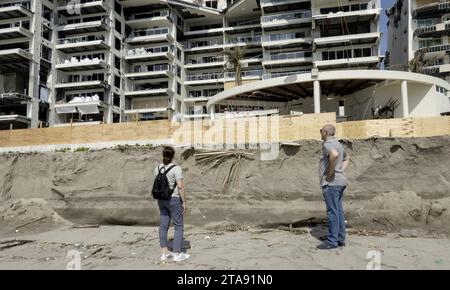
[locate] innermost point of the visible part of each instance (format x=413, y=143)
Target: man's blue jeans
x=335, y=212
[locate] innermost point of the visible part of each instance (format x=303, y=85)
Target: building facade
x=66, y=62
x=418, y=37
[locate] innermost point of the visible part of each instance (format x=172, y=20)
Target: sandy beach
x=126, y=247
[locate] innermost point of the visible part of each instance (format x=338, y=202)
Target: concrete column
x=35, y=49
x=316, y=97
x=212, y=111
x=405, y=104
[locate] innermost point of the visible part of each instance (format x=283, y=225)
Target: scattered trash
x=207, y=238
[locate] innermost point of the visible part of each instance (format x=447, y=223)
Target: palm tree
x=417, y=63
x=234, y=57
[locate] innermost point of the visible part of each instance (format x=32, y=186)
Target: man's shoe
x=326, y=246
x=341, y=244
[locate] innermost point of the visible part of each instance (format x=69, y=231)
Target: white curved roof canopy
x=361, y=78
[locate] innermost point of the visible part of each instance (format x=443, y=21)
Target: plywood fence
x=238, y=130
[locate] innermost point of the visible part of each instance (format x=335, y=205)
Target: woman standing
x=173, y=208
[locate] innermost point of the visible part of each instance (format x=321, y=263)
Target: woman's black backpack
x=161, y=187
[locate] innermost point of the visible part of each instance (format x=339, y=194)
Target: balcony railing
x=283, y=74
x=434, y=48
x=25, y=4
x=244, y=22
x=436, y=7
x=137, y=88
x=151, y=68
x=245, y=39
x=145, y=51
x=80, y=39
x=203, y=43
x=248, y=73
x=290, y=55
x=17, y=25
x=83, y=78
x=63, y=21
x=288, y=16
x=85, y=61
x=71, y=2
x=286, y=36
x=162, y=13
x=272, y=1
x=204, y=77
x=205, y=60
x=149, y=32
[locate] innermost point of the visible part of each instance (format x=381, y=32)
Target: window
x=117, y=45
x=367, y=52
x=116, y=100
x=178, y=88
x=117, y=8
x=118, y=26
x=117, y=62
x=117, y=82
x=178, y=71
x=211, y=4
x=178, y=54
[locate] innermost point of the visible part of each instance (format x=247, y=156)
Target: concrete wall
x=399, y=35
x=423, y=100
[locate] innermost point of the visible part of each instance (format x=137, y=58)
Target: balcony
x=205, y=62
x=15, y=30
x=271, y=3
x=286, y=19
x=346, y=62
x=246, y=75
x=82, y=82
x=207, y=29
x=136, y=92
x=354, y=12
x=148, y=54
x=150, y=71
x=244, y=40
x=14, y=10
x=429, y=10
x=273, y=75
x=354, y=39
x=206, y=45
x=142, y=36
x=149, y=19
x=14, y=56
x=435, y=49
x=85, y=27
x=288, y=39
x=436, y=30
x=199, y=79
x=83, y=7
x=153, y=107
x=81, y=43
x=79, y=65
x=286, y=58
x=243, y=25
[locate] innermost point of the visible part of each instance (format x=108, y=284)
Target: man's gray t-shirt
x=339, y=179
x=172, y=176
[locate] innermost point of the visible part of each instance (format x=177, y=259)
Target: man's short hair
x=329, y=130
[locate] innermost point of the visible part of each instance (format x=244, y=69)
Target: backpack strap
x=166, y=170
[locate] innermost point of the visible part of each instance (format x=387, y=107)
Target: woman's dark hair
x=168, y=153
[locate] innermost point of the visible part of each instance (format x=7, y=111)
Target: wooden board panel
x=252, y=130
x=433, y=126
x=390, y=128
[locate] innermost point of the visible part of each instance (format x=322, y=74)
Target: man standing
x=333, y=182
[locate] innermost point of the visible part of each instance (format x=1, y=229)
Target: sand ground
x=128, y=247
